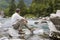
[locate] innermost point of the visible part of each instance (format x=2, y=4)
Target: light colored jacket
x=15, y=17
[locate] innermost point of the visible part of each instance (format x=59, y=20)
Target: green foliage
x=21, y=5
x=6, y=12
x=29, y=16
x=57, y=4
x=4, y=4
x=37, y=8
x=12, y=7
x=43, y=7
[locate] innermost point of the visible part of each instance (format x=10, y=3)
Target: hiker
x=18, y=21
x=16, y=17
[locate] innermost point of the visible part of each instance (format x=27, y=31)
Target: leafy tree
x=21, y=5
x=51, y=8
x=57, y=4
x=6, y=11
x=43, y=7
x=38, y=7
x=12, y=7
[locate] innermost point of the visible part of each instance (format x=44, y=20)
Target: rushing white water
x=38, y=31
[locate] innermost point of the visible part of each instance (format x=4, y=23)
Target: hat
x=17, y=9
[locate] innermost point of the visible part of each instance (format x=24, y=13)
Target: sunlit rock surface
x=56, y=20
x=58, y=13
x=54, y=15
x=13, y=33
x=55, y=26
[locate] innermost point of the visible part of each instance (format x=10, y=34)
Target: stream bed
x=41, y=31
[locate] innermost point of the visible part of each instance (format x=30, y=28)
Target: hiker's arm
x=24, y=21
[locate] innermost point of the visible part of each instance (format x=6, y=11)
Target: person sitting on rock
x=18, y=21
x=16, y=17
